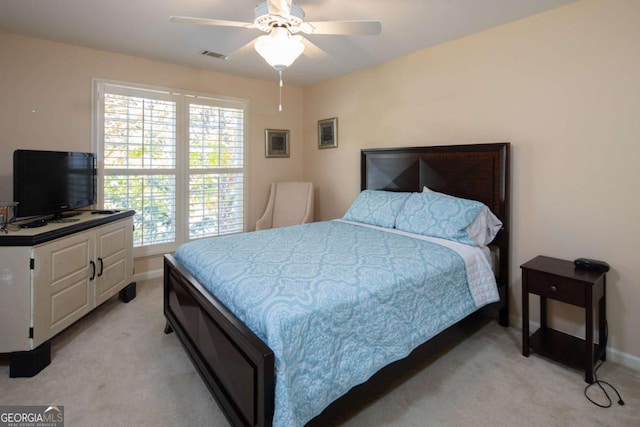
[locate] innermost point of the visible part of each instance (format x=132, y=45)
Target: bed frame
x=237, y=367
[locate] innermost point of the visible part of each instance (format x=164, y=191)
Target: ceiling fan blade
x=279, y=7
x=365, y=28
x=246, y=48
x=205, y=21
x=313, y=51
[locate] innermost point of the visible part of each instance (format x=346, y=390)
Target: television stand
x=55, y=275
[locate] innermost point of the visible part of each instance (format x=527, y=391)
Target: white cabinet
x=46, y=287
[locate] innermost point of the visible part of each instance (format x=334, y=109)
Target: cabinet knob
x=553, y=288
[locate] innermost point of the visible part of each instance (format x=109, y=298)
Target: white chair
x=290, y=203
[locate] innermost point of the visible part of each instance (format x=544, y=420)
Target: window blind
x=178, y=160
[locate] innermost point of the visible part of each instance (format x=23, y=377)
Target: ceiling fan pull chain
x=280, y=105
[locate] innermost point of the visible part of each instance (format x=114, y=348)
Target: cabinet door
x=15, y=298
x=61, y=285
x=114, y=258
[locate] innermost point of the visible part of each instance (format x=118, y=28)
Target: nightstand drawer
x=556, y=287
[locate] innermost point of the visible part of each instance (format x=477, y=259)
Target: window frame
x=182, y=171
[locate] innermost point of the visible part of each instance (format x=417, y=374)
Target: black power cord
x=600, y=383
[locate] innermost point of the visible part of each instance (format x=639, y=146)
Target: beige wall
x=45, y=103
x=564, y=88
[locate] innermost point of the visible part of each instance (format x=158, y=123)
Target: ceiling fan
x=282, y=21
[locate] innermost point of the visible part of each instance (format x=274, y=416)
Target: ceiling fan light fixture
x=279, y=48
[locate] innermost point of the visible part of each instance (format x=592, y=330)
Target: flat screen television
x=52, y=182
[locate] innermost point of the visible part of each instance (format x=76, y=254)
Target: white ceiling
x=141, y=28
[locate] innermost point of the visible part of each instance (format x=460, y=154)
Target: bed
x=231, y=355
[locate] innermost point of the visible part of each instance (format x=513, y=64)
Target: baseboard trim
x=613, y=354
x=625, y=359
x=148, y=275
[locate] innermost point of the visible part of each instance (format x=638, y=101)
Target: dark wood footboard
x=236, y=366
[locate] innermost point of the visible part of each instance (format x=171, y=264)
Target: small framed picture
x=328, y=133
x=276, y=143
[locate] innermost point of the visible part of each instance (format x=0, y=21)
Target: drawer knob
x=553, y=289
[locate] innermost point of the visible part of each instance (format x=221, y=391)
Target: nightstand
x=561, y=281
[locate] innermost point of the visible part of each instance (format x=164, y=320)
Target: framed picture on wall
x=328, y=133
x=276, y=143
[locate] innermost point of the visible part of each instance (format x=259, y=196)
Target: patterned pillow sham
x=376, y=207
x=452, y=218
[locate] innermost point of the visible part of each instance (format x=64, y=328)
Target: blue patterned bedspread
x=334, y=301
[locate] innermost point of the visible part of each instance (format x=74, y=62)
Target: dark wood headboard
x=474, y=171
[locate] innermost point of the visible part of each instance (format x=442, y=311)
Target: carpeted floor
x=116, y=367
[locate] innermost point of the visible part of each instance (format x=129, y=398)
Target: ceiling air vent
x=213, y=54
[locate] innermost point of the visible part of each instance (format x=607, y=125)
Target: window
x=177, y=159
